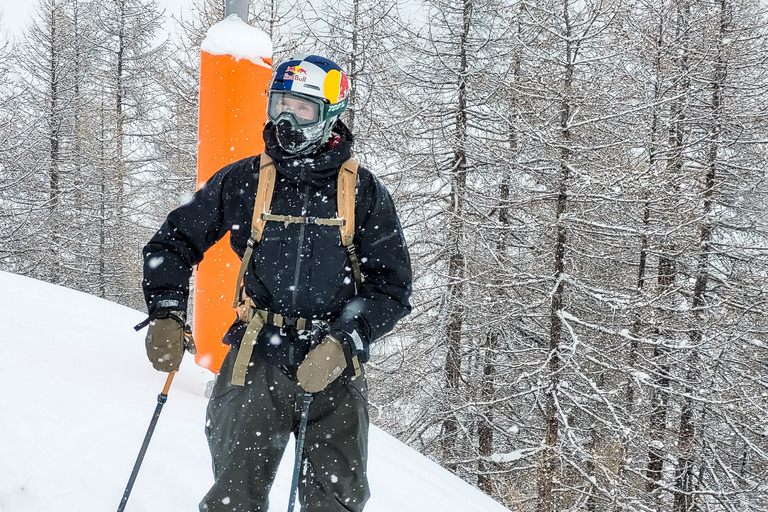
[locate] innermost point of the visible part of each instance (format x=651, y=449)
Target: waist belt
x=257, y=319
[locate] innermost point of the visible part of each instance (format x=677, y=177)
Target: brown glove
x=166, y=340
x=323, y=365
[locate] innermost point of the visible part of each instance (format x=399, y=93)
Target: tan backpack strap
x=243, y=359
x=261, y=205
x=263, y=196
x=345, y=198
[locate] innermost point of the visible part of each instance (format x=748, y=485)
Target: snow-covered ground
x=77, y=395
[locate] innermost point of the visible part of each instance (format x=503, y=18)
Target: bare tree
x=129, y=52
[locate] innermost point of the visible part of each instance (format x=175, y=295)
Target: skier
x=312, y=300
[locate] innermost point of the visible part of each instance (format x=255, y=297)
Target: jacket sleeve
x=383, y=298
x=179, y=245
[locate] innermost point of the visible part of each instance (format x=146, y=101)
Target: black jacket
x=299, y=270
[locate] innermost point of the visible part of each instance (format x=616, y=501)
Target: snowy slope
x=76, y=397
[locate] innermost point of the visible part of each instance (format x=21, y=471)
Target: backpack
x=345, y=216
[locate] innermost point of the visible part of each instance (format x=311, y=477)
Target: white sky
x=18, y=13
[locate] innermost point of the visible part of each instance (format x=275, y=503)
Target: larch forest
x=583, y=188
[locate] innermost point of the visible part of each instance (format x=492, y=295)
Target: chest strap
x=290, y=219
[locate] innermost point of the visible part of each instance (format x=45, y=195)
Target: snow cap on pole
x=232, y=36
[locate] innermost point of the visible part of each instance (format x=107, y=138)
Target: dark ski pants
x=249, y=426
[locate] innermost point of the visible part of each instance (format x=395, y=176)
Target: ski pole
x=299, y=449
x=161, y=398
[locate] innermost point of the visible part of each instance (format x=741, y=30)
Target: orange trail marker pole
x=235, y=71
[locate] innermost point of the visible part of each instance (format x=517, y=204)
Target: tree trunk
x=103, y=225
x=456, y=263
x=54, y=135
x=353, y=64
x=644, y=244
x=685, y=477
x=547, y=499
x=492, y=345
x=667, y=266
x=485, y=429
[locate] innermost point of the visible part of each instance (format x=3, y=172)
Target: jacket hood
x=316, y=169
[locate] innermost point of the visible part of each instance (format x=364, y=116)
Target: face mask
x=296, y=140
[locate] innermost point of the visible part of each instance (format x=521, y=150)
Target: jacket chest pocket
x=271, y=261
x=330, y=275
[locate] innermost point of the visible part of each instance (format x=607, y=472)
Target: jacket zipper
x=295, y=295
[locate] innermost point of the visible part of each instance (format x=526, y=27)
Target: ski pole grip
x=168, y=381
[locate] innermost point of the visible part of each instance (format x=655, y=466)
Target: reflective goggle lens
x=304, y=111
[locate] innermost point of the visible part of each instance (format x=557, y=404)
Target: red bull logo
x=296, y=70
x=343, y=86
x=293, y=72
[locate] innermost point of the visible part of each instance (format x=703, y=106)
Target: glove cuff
x=174, y=314
x=158, y=313
x=345, y=340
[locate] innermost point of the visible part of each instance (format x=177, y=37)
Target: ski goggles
x=303, y=111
